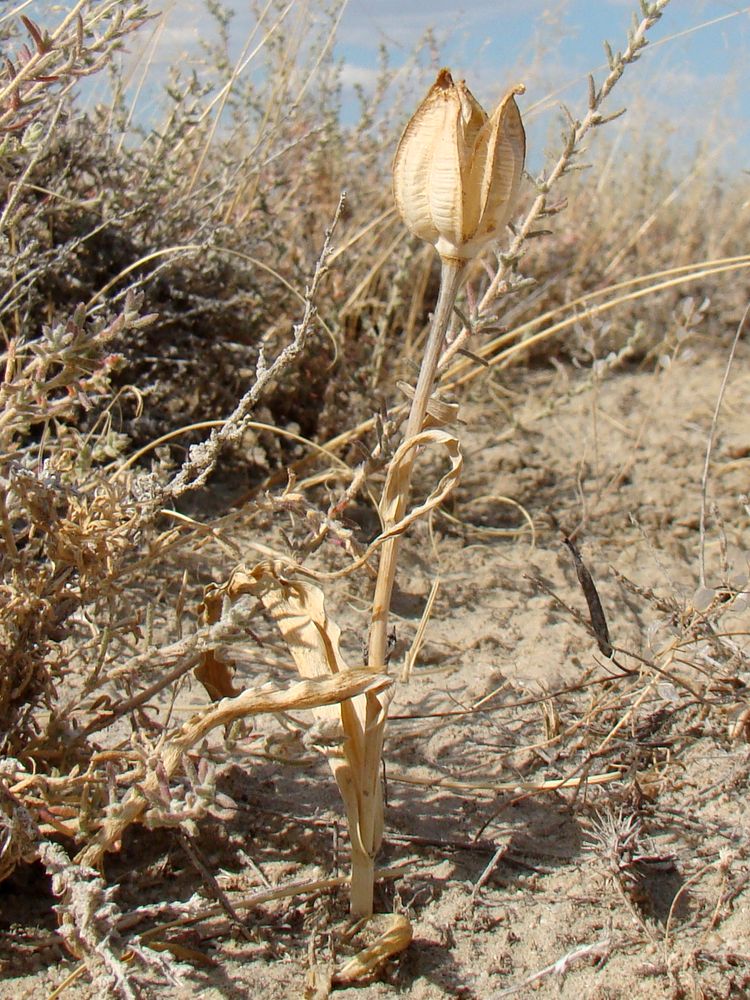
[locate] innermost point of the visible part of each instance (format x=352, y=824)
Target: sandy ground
x=631, y=880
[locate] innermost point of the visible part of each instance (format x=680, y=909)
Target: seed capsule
x=456, y=172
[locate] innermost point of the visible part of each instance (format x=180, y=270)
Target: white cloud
x=362, y=76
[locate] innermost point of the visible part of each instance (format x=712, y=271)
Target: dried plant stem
x=371, y=818
x=450, y=281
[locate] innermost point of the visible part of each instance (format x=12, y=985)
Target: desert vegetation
x=212, y=330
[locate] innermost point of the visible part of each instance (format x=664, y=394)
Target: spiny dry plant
x=201, y=440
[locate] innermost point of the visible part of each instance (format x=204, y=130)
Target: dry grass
x=201, y=342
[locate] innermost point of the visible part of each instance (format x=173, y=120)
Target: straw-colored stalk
x=456, y=175
x=451, y=275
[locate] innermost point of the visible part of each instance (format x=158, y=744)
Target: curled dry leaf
x=298, y=608
x=395, y=938
x=439, y=412
x=312, y=693
x=399, y=478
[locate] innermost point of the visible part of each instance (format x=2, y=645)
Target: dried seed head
x=456, y=172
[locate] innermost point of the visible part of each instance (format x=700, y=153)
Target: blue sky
x=690, y=84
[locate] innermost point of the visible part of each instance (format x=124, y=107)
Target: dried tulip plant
x=456, y=176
